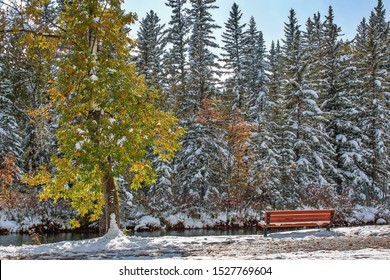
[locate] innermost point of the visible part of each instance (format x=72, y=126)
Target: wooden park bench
x=296, y=219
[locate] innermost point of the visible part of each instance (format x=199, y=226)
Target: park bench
x=296, y=219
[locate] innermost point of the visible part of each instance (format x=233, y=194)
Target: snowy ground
x=369, y=242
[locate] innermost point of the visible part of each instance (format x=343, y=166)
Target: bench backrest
x=298, y=216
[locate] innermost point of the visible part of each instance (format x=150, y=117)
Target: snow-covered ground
x=368, y=242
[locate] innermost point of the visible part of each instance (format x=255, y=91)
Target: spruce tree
x=10, y=129
x=275, y=71
x=197, y=174
x=176, y=58
x=334, y=81
x=272, y=160
x=254, y=73
x=25, y=83
x=373, y=87
x=255, y=104
x=318, y=80
x=158, y=68
x=151, y=44
x=202, y=162
x=303, y=137
x=233, y=57
x=203, y=62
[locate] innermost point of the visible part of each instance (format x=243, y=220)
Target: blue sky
x=270, y=15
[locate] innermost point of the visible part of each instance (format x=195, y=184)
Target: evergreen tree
x=272, y=161
x=10, y=130
x=203, y=62
x=151, y=61
x=372, y=53
x=255, y=101
x=254, y=73
x=176, y=58
x=25, y=84
x=334, y=80
x=318, y=77
x=233, y=57
x=202, y=162
x=362, y=33
x=197, y=175
x=304, y=138
x=275, y=71
x=151, y=44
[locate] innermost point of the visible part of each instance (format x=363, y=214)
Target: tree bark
x=111, y=202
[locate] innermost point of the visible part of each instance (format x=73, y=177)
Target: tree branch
x=37, y=33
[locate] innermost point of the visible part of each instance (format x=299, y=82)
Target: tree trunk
x=102, y=223
x=111, y=203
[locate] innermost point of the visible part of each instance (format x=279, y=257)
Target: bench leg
x=265, y=231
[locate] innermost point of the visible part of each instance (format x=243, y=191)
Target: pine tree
x=176, y=58
x=151, y=44
x=202, y=163
x=303, y=137
x=372, y=46
x=196, y=173
x=10, y=130
x=25, y=85
x=272, y=163
x=275, y=69
x=334, y=80
x=233, y=57
x=96, y=93
x=203, y=62
x=10, y=126
x=254, y=73
x=320, y=78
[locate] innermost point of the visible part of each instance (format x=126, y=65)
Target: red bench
x=297, y=219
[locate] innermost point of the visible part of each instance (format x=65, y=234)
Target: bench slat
x=300, y=211
x=311, y=217
x=306, y=224
x=297, y=218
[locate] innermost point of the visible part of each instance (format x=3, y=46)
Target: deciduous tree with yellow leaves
x=109, y=120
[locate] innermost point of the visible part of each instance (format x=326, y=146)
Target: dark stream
x=25, y=239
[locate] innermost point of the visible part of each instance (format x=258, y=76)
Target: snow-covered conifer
x=374, y=115
x=151, y=43
x=254, y=73
x=272, y=160
x=176, y=57
x=303, y=137
x=203, y=62
x=202, y=163
x=333, y=82
x=10, y=131
x=233, y=57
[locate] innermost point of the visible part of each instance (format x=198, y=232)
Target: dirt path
x=261, y=247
